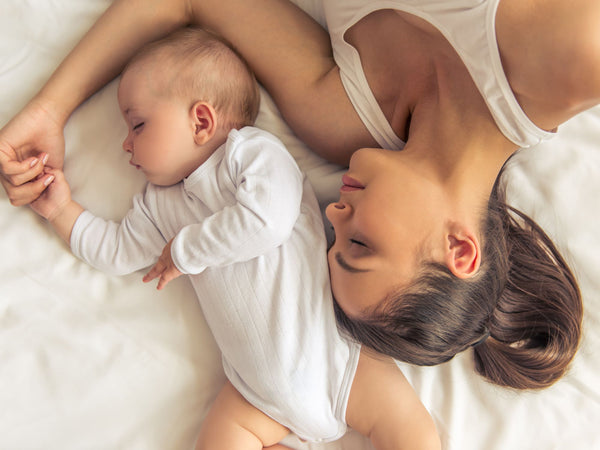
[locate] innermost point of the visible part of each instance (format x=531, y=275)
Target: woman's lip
x=350, y=184
x=134, y=165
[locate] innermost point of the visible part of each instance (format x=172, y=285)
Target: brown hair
x=524, y=297
x=204, y=67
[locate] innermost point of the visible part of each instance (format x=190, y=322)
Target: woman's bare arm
x=385, y=407
x=292, y=57
x=289, y=52
x=551, y=56
x=106, y=47
x=99, y=57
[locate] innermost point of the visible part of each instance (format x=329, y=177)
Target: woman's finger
x=28, y=192
x=21, y=172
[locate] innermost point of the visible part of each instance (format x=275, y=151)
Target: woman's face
x=385, y=218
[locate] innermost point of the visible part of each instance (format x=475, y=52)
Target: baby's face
x=160, y=135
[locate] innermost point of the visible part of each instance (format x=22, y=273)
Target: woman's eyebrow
x=344, y=265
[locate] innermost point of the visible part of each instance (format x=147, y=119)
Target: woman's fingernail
x=49, y=180
x=34, y=162
x=45, y=159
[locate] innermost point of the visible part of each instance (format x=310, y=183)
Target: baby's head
x=180, y=97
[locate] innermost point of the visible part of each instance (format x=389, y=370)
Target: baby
x=226, y=204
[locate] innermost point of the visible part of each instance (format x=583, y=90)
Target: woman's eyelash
x=354, y=241
x=138, y=125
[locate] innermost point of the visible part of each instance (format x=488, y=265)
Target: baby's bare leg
x=233, y=423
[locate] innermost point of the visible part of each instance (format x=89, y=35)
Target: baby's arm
x=384, y=407
x=116, y=248
x=55, y=205
x=119, y=248
x=268, y=193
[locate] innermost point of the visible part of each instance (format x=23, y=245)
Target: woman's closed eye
x=138, y=127
x=357, y=242
x=358, y=248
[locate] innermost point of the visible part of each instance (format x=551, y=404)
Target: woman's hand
x=53, y=200
x=29, y=142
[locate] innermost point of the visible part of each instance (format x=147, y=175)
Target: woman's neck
x=454, y=138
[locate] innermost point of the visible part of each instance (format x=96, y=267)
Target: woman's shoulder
x=551, y=56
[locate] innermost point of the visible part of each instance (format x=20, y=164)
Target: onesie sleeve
x=118, y=248
x=268, y=193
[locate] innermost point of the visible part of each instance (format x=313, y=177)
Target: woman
x=428, y=261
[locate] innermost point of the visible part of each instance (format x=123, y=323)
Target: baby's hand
x=164, y=268
x=55, y=197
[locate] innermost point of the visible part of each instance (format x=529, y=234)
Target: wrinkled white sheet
x=90, y=361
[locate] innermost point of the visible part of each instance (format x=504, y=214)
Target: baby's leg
x=233, y=423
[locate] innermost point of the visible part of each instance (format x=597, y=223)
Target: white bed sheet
x=90, y=361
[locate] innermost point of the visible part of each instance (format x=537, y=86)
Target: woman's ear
x=463, y=253
x=204, y=122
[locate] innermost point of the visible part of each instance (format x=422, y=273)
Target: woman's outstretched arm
x=292, y=57
x=105, y=49
x=289, y=51
x=34, y=137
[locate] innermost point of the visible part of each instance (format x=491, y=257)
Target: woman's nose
x=338, y=211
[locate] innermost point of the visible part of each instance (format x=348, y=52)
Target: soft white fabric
x=249, y=232
x=469, y=26
x=91, y=361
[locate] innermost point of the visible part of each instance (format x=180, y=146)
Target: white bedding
x=90, y=361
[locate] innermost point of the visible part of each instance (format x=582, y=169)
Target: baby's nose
x=127, y=145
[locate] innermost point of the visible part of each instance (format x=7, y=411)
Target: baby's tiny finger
x=162, y=283
x=151, y=275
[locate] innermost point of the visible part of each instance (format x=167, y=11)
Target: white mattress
x=90, y=361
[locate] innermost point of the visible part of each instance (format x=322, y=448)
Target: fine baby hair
x=521, y=313
x=201, y=66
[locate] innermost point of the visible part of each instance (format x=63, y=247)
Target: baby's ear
x=463, y=253
x=204, y=122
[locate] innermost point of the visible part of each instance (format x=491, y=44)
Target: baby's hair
x=521, y=314
x=204, y=67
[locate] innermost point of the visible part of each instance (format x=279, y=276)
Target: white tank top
x=469, y=26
